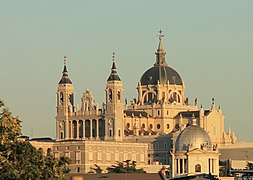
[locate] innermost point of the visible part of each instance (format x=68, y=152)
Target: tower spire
x=65, y=75
x=160, y=53
x=114, y=75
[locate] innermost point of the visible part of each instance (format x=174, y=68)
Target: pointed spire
x=229, y=131
x=160, y=53
x=65, y=71
x=114, y=75
x=219, y=109
x=65, y=76
x=160, y=46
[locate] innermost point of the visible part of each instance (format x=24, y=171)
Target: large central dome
x=161, y=71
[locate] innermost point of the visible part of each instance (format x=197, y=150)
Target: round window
x=143, y=126
x=158, y=126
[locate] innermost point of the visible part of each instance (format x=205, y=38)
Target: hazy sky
x=209, y=43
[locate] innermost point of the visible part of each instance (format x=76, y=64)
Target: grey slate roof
x=161, y=73
x=136, y=113
x=188, y=114
x=114, y=75
x=65, y=77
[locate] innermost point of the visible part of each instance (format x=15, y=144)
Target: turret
x=114, y=105
x=65, y=104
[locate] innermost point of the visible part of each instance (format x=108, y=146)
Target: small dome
x=161, y=73
x=193, y=137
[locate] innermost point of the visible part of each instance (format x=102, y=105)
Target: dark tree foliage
x=19, y=159
x=249, y=166
x=97, y=169
x=127, y=166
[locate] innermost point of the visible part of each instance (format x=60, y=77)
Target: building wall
x=85, y=154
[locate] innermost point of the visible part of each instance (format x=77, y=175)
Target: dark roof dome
x=161, y=71
x=163, y=74
x=193, y=137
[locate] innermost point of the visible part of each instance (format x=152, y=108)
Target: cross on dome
x=160, y=35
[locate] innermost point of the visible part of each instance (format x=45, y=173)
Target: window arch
x=49, y=152
x=119, y=96
x=174, y=97
x=61, y=98
x=149, y=97
x=198, y=168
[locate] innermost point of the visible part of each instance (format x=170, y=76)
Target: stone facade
x=144, y=130
x=85, y=154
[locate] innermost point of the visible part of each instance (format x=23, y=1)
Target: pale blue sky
x=210, y=44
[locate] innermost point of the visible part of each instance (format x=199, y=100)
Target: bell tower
x=114, y=107
x=65, y=104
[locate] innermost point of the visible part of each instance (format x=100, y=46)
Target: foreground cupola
x=194, y=153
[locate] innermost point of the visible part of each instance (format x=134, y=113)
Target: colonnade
x=89, y=128
x=181, y=166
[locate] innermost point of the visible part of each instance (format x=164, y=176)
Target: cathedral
x=158, y=127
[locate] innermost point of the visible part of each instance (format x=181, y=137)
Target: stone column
x=183, y=168
x=178, y=166
x=66, y=129
x=97, y=128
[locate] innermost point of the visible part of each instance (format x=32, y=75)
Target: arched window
x=198, y=168
x=61, y=98
x=118, y=95
x=74, y=129
x=49, y=152
x=80, y=135
x=41, y=150
x=174, y=97
x=110, y=95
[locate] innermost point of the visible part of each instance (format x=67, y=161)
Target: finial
x=201, y=106
x=213, y=101
x=160, y=34
x=194, y=120
x=113, y=56
x=65, y=60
